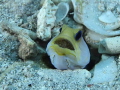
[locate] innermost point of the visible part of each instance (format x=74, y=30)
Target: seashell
x=46, y=20
x=77, y=5
x=108, y=17
x=62, y=11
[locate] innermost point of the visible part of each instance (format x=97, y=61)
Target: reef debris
x=28, y=47
x=46, y=20
x=105, y=70
x=110, y=45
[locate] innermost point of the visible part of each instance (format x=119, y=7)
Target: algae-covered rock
x=28, y=49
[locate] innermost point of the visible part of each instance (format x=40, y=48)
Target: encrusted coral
x=46, y=20
x=104, y=71
x=28, y=49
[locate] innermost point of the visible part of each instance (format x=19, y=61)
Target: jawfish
x=68, y=50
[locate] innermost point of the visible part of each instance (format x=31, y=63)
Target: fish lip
x=69, y=54
x=65, y=37
x=58, y=49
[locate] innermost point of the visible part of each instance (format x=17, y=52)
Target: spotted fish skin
x=68, y=51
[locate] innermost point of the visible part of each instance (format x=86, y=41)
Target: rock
x=62, y=11
x=88, y=14
x=46, y=20
x=57, y=1
x=108, y=17
x=28, y=48
x=110, y=45
x=67, y=79
x=101, y=18
x=105, y=70
x=93, y=38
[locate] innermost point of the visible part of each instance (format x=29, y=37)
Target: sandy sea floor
x=31, y=75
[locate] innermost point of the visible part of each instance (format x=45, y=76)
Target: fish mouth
x=64, y=43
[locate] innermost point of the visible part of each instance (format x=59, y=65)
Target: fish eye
x=60, y=29
x=78, y=35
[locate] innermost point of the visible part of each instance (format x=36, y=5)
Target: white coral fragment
x=101, y=6
x=118, y=9
x=56, y=1
x=108, y=17
x=110, y=45
x=111, y=6
x=46, y=20
x=88, y=14
x=13, y=28
x=93, y=38
x=105, y=70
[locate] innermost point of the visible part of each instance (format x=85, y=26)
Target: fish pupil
x=60, y=29
x=78, y=35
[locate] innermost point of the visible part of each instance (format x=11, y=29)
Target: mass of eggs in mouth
x=64, y=43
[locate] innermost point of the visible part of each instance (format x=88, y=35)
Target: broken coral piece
x=93, y=38
x=105, y=70
x=110, y=45
x=88, y=14
x=108, y=17
x=56, y=1
x=13, y=28
x=28, y=49
x=46, y=20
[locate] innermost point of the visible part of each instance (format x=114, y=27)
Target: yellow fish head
x=68, y=50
